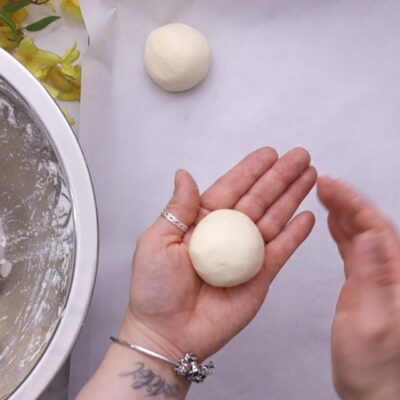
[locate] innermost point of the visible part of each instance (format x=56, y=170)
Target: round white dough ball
x=177, y=57
x=226, y=248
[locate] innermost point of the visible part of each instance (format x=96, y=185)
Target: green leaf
x=15, y=6
x=10, y=23
x=41, y=24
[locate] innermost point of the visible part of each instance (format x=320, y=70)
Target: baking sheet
x=320, y=73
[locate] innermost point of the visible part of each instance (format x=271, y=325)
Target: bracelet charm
x=189, y=367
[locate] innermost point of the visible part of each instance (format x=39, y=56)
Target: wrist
x=135, y=331
x=127, y=374
x=137, y=337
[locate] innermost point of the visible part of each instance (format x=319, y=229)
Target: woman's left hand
x=171, y=310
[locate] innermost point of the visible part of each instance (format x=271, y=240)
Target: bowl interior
x=37, y=240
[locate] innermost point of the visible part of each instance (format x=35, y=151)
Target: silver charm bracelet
x=187, y=367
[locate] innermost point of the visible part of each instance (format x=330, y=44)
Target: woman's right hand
x=366, y=327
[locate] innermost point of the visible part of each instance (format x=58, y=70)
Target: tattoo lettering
x=153, y=384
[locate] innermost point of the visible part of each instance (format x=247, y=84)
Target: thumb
x=374, y=258
x=184, y=205
x=374, y=267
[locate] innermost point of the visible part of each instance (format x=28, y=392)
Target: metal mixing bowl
x=48, y=235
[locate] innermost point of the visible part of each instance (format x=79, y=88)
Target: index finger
x=355, y=214
x=228, y=189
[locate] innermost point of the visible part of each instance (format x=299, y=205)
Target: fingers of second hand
x=355, y=213
x=339, y=236
x=279, y=214
x=273, y=183
x=279, y=250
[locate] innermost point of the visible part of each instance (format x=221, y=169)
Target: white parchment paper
x=320, y=73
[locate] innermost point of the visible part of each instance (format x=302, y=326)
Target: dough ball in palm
x=226, y=248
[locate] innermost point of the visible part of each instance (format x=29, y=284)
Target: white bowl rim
x=86, y=225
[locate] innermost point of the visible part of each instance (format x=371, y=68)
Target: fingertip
x=270, y=151
x=307, y=219
x=183, y=177
x=303, y=223
x=325, y=178
x=181, y=174
x=325, y=181
x=324, y=187
x=338, y=193
x=312, y=174
x=315, y=171
x=186, y=192
x=310, y=215
x=266, y=153
x=302, y=152
x=328, y=184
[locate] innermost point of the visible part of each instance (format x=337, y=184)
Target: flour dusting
x=37, y=240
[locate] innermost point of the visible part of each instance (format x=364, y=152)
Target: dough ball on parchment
x=177, y=57
x=226, y=248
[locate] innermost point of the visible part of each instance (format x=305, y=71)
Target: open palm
x=169, y=302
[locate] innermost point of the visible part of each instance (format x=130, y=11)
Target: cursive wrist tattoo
x=154, y=385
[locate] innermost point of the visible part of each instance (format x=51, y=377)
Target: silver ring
x=174, y=221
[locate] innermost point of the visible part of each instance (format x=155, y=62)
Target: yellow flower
x=19, y=15
x=73, y=95
x=50, y=5
x=73, y=7
x=68, y=116
x=7, y=41
x=65, y=77
x=57, y=79
x=71, y=55
x=36, y=60
x=53, y=91
x=69, y=89
x=57, y=74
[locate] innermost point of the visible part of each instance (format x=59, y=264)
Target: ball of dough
x=177, y=57
x=226, y=248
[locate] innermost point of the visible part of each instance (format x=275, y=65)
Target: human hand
x=171, y=309
x=366, y=327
